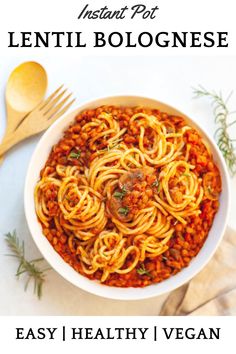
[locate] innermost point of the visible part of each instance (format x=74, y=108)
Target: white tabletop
x=168, y=79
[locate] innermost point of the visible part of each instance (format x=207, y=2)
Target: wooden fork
x=39, y=119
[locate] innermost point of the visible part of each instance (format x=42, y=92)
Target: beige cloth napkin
x=213, y=290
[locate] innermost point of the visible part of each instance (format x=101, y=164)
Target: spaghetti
x=124, y=192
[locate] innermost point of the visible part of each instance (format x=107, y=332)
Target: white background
x=166, y=78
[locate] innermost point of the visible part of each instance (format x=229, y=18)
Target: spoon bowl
x=26, y=87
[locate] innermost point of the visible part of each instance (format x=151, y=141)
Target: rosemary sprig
x=28, y=268
x=221, y=114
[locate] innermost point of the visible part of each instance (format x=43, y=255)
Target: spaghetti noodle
x=123, y=193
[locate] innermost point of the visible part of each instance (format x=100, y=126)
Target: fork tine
x=48, y=122
x=46, y=109
x=61, y=112
x=44, y=103
x=54, y=109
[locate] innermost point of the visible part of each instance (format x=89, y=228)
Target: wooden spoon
x=26, y=88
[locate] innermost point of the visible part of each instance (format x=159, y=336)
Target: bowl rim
x=94, y=287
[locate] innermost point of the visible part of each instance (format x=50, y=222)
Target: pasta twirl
x=128, y=195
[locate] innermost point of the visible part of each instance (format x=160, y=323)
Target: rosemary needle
x=26, y=267
x=221, y=114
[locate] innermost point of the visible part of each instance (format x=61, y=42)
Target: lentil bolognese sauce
x=128, y=195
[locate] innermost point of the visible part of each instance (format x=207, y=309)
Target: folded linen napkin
x=213, y=290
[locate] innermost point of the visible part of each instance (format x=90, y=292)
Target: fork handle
x=11, y=140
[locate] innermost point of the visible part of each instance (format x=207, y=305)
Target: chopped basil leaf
x=155, y=183
x=139, y=175
x=143, y=271
x=124, y=190
x=118, y=195
x=75, y=155
x=123, y=211
x=121, y=194
x=209, y=189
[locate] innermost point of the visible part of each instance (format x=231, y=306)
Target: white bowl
x=51, y=137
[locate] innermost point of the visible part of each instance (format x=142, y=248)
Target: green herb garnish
x=118, y=195
x=115, y=143
x=75, y=155
x=68, y=198
x=121, y=194
x=28, y=268
x=222, y=135
x=143, y=271
x=155, y=183
x=209, y=189
x=109, y=148
x=139, y=175
x=186, y=174
x=123, y=211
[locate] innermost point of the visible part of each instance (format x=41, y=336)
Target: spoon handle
x=12, y=139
